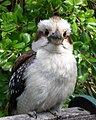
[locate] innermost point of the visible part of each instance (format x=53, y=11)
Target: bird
x=45, y=76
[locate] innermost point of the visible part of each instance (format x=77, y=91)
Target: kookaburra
x=44, y=77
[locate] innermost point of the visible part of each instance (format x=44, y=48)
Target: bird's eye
x=46, y=32
x=64, y=34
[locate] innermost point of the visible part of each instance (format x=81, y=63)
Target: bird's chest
x=48, y=68
x=57, y=66
x=49, y=78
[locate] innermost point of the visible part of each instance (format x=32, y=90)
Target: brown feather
x=21, y=59
x=69, y=39
x=56, y=18
x=39, y=34
x=18, y=86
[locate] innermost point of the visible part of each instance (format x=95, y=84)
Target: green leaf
x=85, y=3
x=14, y=42
x=1, y=112
x=89, y=13
x=78, y=2
x=90, y=27
x=74, y=27
x=15, y=36
x=7, y=43
x=61, y=10
x=3, y=34
x=26, y=37
x=78, y=44
x=49, y=1
x=84, y=77
x=19, y=45
x=94, y=42
x=27, y=48
x=9, y=27
x=81, y=16
x=82, y=19
x=91, y=21
x=56, y=3
x=7, y=66
x=3, y=8
x=1, y=45
x=70, y=2
x=31, y=25
x=3, y=61
x=93, y=60
x=6, y=3
x=12, y=57
x=85, y=47
x=18, y=11
x=84, y=37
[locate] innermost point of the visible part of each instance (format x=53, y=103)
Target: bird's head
x=53, y=35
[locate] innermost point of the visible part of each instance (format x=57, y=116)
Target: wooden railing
x=74, y=113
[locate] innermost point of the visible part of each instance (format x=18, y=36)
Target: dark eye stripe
x=46, y=32
x=64, y=34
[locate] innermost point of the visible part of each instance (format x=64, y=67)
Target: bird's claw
x=56, y=114
x=33, y=114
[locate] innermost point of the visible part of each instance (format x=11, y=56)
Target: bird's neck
x=55, y=49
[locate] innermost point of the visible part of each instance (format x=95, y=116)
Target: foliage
x=18, y=29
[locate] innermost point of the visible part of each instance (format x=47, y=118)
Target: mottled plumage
x=17, y=82
x=44, y=79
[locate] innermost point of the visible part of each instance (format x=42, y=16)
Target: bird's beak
x=55, y=38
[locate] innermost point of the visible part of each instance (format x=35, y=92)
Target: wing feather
x=17, y=82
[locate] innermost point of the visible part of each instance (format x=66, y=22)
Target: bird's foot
x=56, y=114
x=33, y=114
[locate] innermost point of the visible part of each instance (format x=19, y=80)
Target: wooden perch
x=66, y=114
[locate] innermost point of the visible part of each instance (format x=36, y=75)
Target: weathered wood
x=66, y=114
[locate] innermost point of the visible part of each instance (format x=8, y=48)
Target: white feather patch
x=39, y=43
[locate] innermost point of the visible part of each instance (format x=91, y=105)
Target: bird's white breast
x=50, y=78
